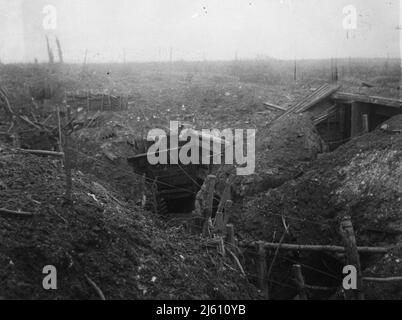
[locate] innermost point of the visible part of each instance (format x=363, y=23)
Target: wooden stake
x=67, y=162
x=230, y=234
x=221, y=246
x=88, y=102
x=227, y=213
x=60, y=132
x=297, y=272
x=261, y=267
x=365, y=123
x=352, y=255
x=218, y=223
x=207, y=210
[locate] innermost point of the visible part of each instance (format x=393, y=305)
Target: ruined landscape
x=107, y=233
x=78, y=193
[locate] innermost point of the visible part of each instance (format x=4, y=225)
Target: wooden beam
x=43, y=152
x=389, y=279
x=274, y=106
x=350, y=97
x=4, y=211
x=300, y=247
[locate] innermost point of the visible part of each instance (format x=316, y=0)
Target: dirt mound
x=362, y=178
x=122, y=248
x=288, y=144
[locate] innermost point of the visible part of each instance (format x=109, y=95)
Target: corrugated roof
x=318, y=95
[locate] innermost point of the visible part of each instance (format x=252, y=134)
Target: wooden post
x=15, y=132
x=88, y=102
x=155, y=195
x=365, y=123
x=67, y=162
x=352, y=255
x=355, y=119
x=221, y=246
x=143, y=187
x=225, y=193
x=342, y=113
x=60, y=142
x=210, y=196
x=297, y=272
x=207, y=210
x=226, y=212
x=261, y=266
x=230, y=234
x=218, y=223
x=219, y=217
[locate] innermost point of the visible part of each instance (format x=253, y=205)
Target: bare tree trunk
x=60, y=51
x=49, y=51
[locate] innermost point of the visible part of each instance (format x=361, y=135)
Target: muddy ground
x=132, y=253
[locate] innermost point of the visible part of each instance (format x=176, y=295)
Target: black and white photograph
x=218, y=152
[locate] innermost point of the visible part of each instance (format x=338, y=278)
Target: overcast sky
x=199, y=29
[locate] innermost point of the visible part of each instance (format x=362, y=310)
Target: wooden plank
x=350, y=97
x=274, y=106
x=318, y=98
x=300, y=247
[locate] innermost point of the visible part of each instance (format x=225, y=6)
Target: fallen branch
x=321, y=288
x=43, y=152
x=16, y=213
x=237, y=261
x=274, y=106
x=29, y=122
x=95, y=286
x=390, y=279
x=287, y=246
